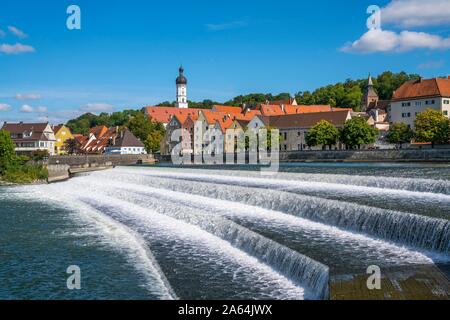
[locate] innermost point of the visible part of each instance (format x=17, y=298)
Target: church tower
x=370, y=97
x=181, y=82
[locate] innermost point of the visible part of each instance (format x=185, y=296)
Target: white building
x=126, y=143
x=181, y=82
x=414, y=97
x=31, y=137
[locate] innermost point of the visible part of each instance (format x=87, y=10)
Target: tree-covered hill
x=343, y=94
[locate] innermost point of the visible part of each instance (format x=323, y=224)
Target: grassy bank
x=16, y=169
x=22, y=174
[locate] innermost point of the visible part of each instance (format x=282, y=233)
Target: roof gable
x=128, y=139
x=423, y=88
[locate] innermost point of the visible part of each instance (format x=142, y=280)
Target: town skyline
x=107, y=66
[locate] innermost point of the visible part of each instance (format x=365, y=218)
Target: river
x=163, y=232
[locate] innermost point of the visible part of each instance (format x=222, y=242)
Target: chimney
x=448, y=77
x=282, y=107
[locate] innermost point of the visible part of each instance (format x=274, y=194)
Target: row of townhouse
x=196, y=130
x=38, y=137
x=102, y=139
x=30, y=138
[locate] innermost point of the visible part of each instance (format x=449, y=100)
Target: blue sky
x=127, y=53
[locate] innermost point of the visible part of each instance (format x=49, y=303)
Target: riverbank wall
x=400, y=155
x=61, y=168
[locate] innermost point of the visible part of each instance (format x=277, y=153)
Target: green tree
x=83, y=123
x=71, y=146
x=400, y=133
x=349, y=93
x=141, y=126
x=387, y=82
x=7, y=151
x=357, y=132
x=149, y=132
x=153, y=141
x=432, y=126
x=323, y=133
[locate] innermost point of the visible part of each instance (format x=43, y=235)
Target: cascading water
x=414, y=230
x=252, y=237
x=295, y=266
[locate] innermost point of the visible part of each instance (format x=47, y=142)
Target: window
x=406, y=104
x=446, y=101
x=406, y=115
x=285, y=147
x=285, y=135
x=418, y=103
x=298, y=133
x=445, y=113
x=428, y=102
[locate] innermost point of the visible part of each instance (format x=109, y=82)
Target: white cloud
x=97, y=107
x=416, y=13
x=386, y=41
x=41, y=109
x=17, y=32
x=26, y=109
x=226, y=25
x=15, y=48
x=406, y=14
x=29, y=96
x=4, y=107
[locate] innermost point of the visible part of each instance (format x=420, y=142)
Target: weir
x=410, y=229
x=297, y=267
x=263, y=225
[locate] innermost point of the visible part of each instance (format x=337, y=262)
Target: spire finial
x=370, y=81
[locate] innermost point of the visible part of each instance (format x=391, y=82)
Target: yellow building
x=62, y=134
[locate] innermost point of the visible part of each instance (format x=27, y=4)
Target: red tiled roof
x=271, y=110
x=305, y=120
x=56, y=128
x=98, y=145
x=98, y=131
x=18, y=129
x=290, y=109
x=280, y=102
x=423, y=88
x=224, y=123
x=227, y=109
x=247, y=116
x=211, y=117
x=164, y=114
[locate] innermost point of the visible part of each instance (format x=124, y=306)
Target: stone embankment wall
x=402, y=155
x=61, y=167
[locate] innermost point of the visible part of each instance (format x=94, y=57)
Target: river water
x=216, y=233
